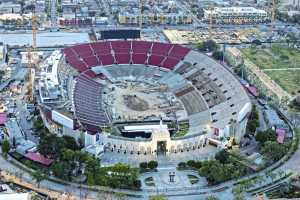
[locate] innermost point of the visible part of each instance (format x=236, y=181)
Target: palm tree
x=38, y=176
x=211, y=198
x=158, y=197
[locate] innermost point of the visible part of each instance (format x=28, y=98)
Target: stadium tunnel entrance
x=161, y=147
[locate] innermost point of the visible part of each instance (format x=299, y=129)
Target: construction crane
x=210, y=24
x=31, y=58
x=273, y=16
x=141, y=13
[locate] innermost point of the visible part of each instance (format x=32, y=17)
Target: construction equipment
x=31, y=64
x=273, y=17
x=141, y=13
x=210, y=24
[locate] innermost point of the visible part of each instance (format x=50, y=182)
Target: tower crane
x=30, y=57
x=141, y=14
x=210, y=23
x=273, y=16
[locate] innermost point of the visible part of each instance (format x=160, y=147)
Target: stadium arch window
x=202, y=69
x=220, y=85
x=225, y=91
x=234, y=113
x=228, y=98
x=231, y=105
x=213, y=113
x=215, y=79
x=209, y=74
x=215, y=120
x=195, y=63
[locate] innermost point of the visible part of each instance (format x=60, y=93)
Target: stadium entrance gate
x=161, y=147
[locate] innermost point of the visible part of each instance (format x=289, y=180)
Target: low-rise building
x=235, y=15
x=7, y=8
x=158, y=13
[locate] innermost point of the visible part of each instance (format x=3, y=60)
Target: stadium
x=132, y=97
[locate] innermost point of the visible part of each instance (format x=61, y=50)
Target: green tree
x=274, y=151
x=38, y=124
x=50, y=145
x=211, y=198
x=121, y=196
x=90, y=179
x=5, y=147
x=222, y=156
x=70, y=142
x=208, y=45
x=238, y=192
x=264, y=136
x=38, y=176
x=253, y=120
x=92, y=164
x=152, y=164
x=191, y=163
x=216, y=172
x=218, y=55
x=143, y=165
x=182, y=165
x=158, y=197
x=62, y=169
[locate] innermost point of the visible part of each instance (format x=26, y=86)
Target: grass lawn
x=149, y=181
x=183, y=130
x=289, y=80
x=273, y=58
x=278, y=57
x=193, y=179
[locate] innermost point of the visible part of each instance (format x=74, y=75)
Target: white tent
x=15, y=196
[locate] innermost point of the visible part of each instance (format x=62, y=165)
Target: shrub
x=198, y=164
x=143, y=165
x=182, y=165
x=137, y=184
x=191, y=163
x=152, y=164
x=5, y=147
x=222, y=156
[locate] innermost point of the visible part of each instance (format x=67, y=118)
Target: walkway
x=282, y=69
x=181, y=180
x=53, y=189
x=110, y=158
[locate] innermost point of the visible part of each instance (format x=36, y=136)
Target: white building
x=7, y=8
x=236, y=15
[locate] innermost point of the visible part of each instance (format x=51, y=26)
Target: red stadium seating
x=139, y=58
x=121, y=46
x=90, y=73
x=91, y=61
x=178, y=52
x=141, y=46
x=170, y=63
x=83, y=50
x=122, y=58
x=107, y=59
x=69, y=52
x=161, y=48
x=77, y=64
x=101, y=47
x=88, y=93
x=155, y=60
x=100, y=53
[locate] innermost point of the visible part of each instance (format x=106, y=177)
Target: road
x=53, y=14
